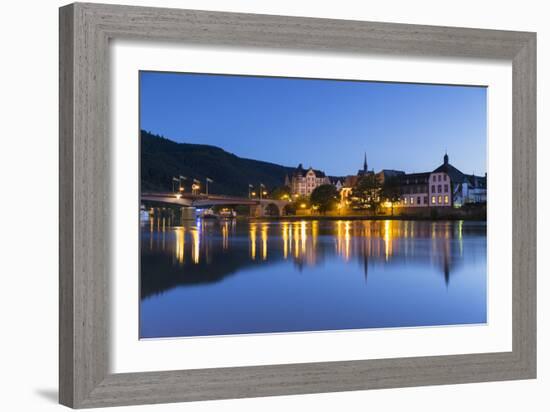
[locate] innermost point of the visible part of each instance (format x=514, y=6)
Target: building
x=414, y=189
x=477, y=189
x=386, y=174
x=337, y=184
x=303, y=182
x=351, y=180
x=446, y=186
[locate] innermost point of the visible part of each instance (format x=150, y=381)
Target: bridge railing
x=201, y=196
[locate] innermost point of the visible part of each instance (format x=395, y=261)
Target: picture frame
x=84, y=354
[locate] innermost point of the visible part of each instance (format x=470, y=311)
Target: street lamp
x=250, y=187
x=208, y=180
x=262, y=186
x=195, y=187
x=174, y=180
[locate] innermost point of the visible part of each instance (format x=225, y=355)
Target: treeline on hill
x=163, y=159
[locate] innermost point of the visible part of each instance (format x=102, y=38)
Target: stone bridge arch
x=268, y=207
x=271, y=209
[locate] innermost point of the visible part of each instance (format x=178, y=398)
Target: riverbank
x=470, y=212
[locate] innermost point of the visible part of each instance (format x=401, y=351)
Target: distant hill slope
x=162, y=159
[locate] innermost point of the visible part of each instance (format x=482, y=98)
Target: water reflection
x=205, y=252
x=307, y=242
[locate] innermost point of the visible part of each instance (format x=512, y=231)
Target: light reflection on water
x=209, y=277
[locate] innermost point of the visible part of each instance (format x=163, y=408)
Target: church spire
x=446, y=158
x=365, y=168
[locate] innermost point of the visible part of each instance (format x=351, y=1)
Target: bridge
x=258, y=207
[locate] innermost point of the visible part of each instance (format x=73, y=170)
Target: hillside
x=162, y=159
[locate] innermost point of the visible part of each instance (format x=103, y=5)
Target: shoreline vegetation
x=471, y=213
x=478, y=213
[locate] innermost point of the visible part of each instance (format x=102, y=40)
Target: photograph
x=287, y=205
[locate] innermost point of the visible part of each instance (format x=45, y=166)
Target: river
x=210, y=277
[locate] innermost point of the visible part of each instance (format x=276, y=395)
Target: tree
x=300, y=202
x=324, y=197
x=290, y=209
x=281, y=193
x=390, y=191
x=367, y=190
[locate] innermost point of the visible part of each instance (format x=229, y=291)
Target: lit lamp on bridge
x=208, y=180
x=196, y=187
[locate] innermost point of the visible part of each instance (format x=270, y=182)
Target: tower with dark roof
x=365, y=170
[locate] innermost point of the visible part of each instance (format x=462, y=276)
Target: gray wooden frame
x=85, y=31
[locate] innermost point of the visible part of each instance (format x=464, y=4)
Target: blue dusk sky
x=326, y=124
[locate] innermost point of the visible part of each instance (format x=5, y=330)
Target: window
x=425, y=200
x=446, y=188
x=439, y=199
x=445, y=177
x=418, y=200
x=446, y=199
x=438, y=188
x=412, y=200
x=439, y=178
x=433, y=200
x=405, y=200
x=433, y=188
x=433, y=178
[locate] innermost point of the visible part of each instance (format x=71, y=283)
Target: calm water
x=229, y=277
